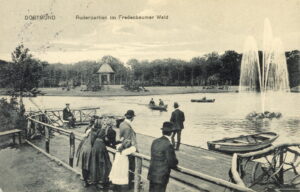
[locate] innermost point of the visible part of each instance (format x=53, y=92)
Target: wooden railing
x=139, y=158
x=82, y=115
x=273, y=170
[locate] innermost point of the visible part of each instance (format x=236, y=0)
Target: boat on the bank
x=203, y=100
x=158, y=107
x=243, y=143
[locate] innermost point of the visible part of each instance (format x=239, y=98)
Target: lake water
x=204, y=121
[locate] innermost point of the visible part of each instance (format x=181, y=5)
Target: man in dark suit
x=177, y=119
x=68, y=115
x=163, y=159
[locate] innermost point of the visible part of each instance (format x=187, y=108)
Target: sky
x=193, y=28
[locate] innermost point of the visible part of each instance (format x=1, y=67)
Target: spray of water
x=270, y=75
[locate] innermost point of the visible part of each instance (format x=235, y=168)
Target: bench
x=65, y=124
x=12, y=132
x=241, y=141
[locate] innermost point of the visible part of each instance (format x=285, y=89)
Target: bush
x=10, y=117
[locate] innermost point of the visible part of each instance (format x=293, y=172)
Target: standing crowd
x=97, y=169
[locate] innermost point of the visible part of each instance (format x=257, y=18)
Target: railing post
x=72, y=149
x=47, y=139
x=27, y=129
x=80, y=116
x=14, y=140
x=280, y=174
x=137, y=173
x=34, y=128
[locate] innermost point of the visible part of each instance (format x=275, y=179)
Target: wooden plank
x=8, y=132
x=77, y=109
x=241, y=141
x=231, y=144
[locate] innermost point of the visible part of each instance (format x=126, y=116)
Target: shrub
x=10, y=117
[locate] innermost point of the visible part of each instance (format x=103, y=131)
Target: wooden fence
x=139, y=158
x=271, y=166
x=82, y=116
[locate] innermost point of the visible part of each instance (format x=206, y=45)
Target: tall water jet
x=268, y=75
x=250, y=69
x=267, y=52
x=277, y=79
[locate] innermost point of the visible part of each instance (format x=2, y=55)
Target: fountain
x=266, y=72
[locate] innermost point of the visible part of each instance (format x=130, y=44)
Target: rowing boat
x=158, y=107
x=203, y=100
x=243, y=143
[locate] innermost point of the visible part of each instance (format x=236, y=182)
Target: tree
x=23, y=74
x=293, y=63
x=199, y=69
x=213, y=63
x=230, y=69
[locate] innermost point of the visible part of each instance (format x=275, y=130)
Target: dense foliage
x=10, y=117
x=23, y=74
x=210, y=69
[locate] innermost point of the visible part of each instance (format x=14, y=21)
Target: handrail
x=255, y=155
x=180, y=169
x=51, y=126
x=77, y=109
x=267, y=150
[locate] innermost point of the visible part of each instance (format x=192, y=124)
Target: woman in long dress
x=100, y=164
x=83, y=154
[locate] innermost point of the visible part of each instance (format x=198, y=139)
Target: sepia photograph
x=150, y=96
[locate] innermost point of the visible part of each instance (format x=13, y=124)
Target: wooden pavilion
x=105, y=74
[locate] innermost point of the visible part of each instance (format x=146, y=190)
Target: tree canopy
x=25, y=72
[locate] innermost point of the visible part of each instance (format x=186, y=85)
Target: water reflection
x=204, y=121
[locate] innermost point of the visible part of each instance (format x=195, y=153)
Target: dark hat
x=129, y=114
x=176, y=105
x=67, y=103
x=167, y=126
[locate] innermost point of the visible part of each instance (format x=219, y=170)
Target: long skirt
x=84, y=153
x=119, y=171
x=100, y=163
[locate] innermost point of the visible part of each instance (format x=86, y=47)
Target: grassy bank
x=116, y=90
x=24, y=169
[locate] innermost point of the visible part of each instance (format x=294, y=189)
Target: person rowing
x=161, y=103
x=151, y=102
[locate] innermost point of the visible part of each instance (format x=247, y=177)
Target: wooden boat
x=158, y=107
x=243, y=143
x=203, y=100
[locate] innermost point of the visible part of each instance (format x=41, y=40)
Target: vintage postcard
x=149, y=95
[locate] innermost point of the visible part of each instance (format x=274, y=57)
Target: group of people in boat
x=100, y=170
x=160, y=103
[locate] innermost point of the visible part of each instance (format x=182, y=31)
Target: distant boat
x=203, y=100
x=243, y=143
x=158, y=107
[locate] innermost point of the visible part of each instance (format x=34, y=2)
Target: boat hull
x=160, y=108
x=203, y=101
x=240, y=145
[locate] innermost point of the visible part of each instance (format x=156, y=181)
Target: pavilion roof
x=105, y=68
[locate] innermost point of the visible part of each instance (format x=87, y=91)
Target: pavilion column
x=100, y=79
x=108, y=78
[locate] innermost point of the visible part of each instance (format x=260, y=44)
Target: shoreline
x=116, y=90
